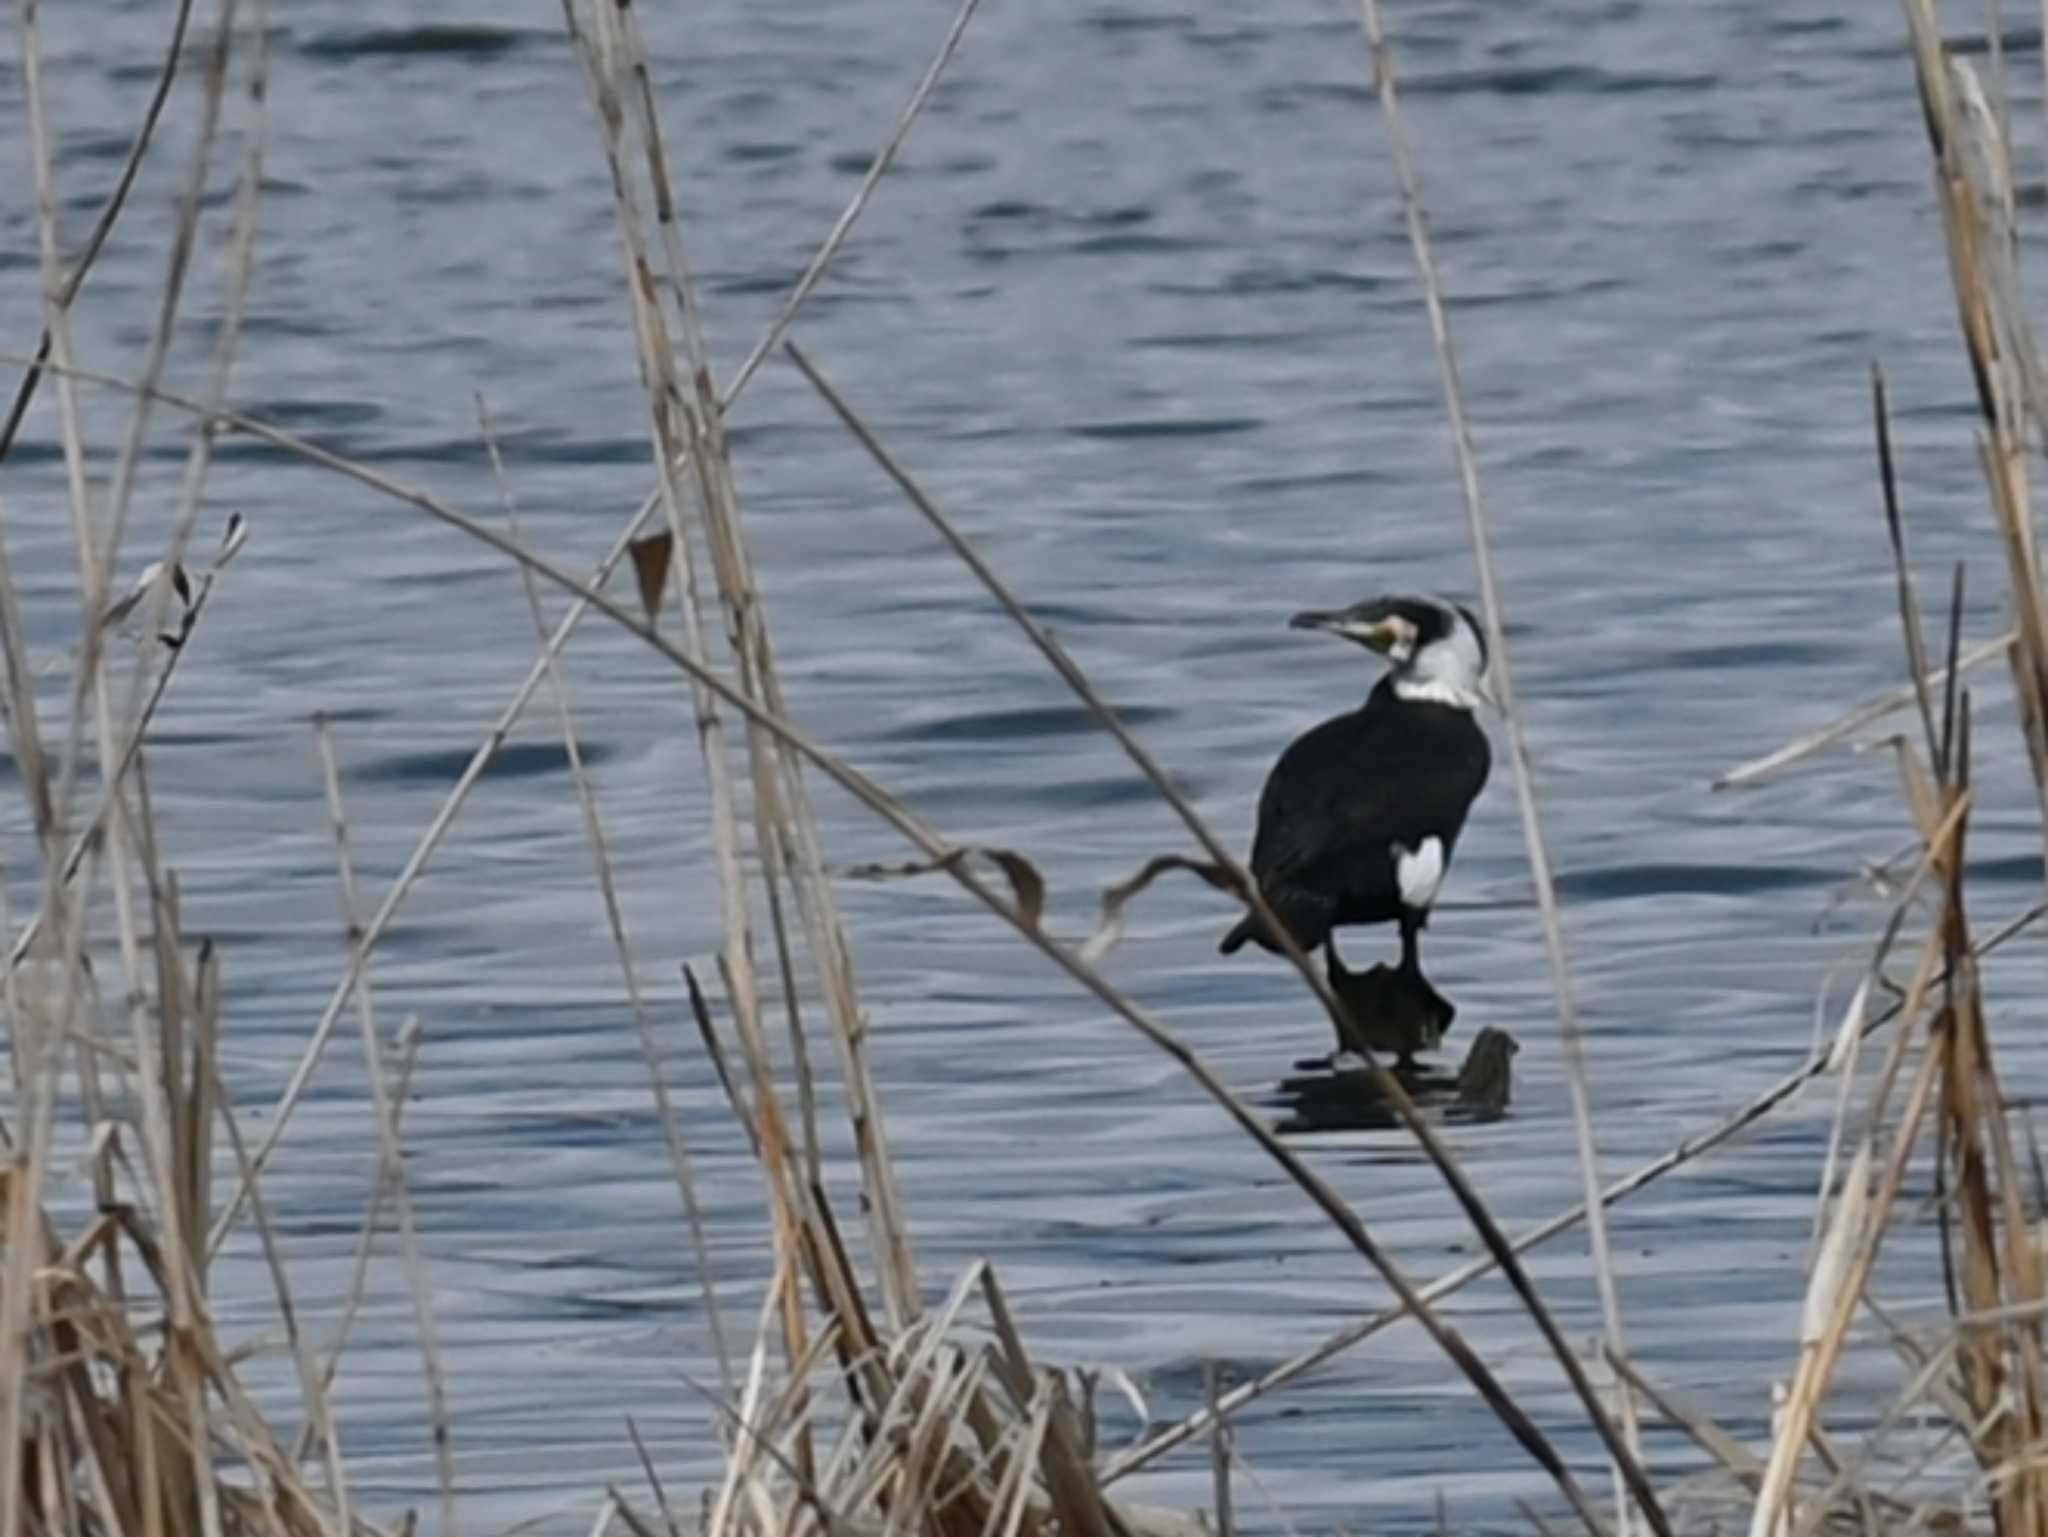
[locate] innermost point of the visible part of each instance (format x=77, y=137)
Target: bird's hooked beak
x=1387, y=634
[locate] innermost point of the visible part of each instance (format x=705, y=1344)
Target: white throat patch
x=1436, y=691
x=1419, y=872
x=1446, y=671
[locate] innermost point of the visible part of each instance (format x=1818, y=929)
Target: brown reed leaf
x=651, y=558
x=1027, y=886
x=1110, y=930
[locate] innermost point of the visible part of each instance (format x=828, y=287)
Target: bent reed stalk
x=859, y=1401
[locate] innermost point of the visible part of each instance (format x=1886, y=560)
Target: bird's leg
x=1333, y=968
x=1411, y=969
x=1430, y=1009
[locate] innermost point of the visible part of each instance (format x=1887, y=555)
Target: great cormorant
x=1360, y=814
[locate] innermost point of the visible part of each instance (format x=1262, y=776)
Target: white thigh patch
x=1419, y=872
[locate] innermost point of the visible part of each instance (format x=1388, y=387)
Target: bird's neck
x=1445, y=672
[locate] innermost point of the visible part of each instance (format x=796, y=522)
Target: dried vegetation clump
x=859, y=1401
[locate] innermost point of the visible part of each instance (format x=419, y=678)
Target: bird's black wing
x=1323, y=794
x=1348, y=784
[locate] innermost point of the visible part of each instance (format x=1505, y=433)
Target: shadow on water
x=516, y=760
x=1338, y=1093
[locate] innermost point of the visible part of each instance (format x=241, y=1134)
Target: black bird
x=1360, y=814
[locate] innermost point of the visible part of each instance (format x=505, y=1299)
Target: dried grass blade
x=1857, y=718
x=878, y=167
x=1894, y=523
x=1623, y=1446
x=391, y=1156
x=409, y=874
x=681, y=1166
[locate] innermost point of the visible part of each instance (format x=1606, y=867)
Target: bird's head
x=1438, y=648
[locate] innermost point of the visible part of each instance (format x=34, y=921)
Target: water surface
x=1137, y=308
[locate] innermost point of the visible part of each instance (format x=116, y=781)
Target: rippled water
x=1137, y=307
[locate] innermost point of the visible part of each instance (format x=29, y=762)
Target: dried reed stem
x=390, y=1156
x=1626, y=1450
x=313, y=1384
x=680, y=1164
x=103, y=226
x=1857, y=718
x=781, y=801
x=408, y=1048
x=410, y=873
x=878, y=167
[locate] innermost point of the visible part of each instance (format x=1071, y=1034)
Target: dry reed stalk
x=18, y=697
x=199, y=457
x=162, y=1133
x=1852, y=1477
x=94, y=568
x=797, y=1213
x=681, y=1167
x=717, y=505
x=669, y=423
x=786, y=824
x=2001, y=1376
x=103, y=225
x=1839, y=1278
x=1917, y=666
x=681, y=435
x=952, y=1441
x=411, y=871
x=97, y=553
x=1220, y=1439
x=121, y=1440
x=390, y=1155
x=408, y=1047
x=878, y=167
x=313, y=1388
x=1975, y=1135
x=1735, y=1458
x=1852, y=1240
x=1627, y=1450
x=120, y=494
x=1995, y=334
x=113, y=1422
x=87, y=840
x=1870, y=711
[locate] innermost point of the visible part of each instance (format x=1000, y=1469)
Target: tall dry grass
x=857, y=1394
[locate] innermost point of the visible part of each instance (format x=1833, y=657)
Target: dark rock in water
x=1485, y=1082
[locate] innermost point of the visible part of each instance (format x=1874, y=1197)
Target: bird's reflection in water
x=1340, y=1095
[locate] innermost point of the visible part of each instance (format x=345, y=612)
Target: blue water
x=1137, y=307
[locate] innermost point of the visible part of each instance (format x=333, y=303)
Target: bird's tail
x=1246, y=927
